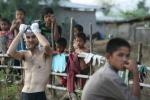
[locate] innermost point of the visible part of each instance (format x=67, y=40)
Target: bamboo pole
x=139, y=58
x=71, y=35
x=91, y=46
x=52, y=35
x=52, y=78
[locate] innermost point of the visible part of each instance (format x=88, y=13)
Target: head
x=4, y=24
x=30, y=40
x=77, y=29
x=47, y=14
x=20, y=14
x=80, y=40
x=117, y=53
x=61, y=44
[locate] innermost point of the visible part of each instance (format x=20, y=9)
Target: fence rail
x=64, y=75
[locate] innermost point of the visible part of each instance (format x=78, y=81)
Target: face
x=31, y=41
x=48, y=18
x=20, y=15
x=75, y=31
x=4, y=26
x=119, y=58
x=79, y=42
x=59, y=48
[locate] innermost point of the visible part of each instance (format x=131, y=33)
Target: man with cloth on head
x=36, y=61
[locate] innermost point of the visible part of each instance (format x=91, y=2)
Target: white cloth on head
x=22, y=28
x=35, y=28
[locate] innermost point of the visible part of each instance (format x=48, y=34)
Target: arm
x=132, y=67
x=42, y=40
x=12, y=49
x=114, y=87
x=56, y=33
x=10, y=37
x=55, y=26
x=13, y=26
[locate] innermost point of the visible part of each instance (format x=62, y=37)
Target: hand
x=35, y=28
x=22, y=28
x=131, y=66
x=53, y=19
x=15, y=24
x=18, y=21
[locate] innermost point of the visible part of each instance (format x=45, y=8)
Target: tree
x=7, y=8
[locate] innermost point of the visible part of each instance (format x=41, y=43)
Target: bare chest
x=36, y=62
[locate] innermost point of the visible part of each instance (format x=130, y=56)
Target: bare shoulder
x=45, y=51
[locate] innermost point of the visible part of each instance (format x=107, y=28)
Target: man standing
x=36, y=61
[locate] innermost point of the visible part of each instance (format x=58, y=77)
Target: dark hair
x=82, y=36
x=79, y=27
x=21, y=10
x=5, y=20
x=62, y=41
x=115, y=44
x=46, y=10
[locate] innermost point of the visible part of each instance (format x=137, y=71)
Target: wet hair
x=21, y=10
x=82, y=36
x=79, y=27
x=45, y=11
x=115, y=43
x=5, y=20
x=62, y=42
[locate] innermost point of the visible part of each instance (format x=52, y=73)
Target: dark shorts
x=33, y=96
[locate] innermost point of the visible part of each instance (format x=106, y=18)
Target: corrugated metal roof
x=68, y=4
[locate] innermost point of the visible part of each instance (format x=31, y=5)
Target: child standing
x=79, y=43
x=59, y=58
x=19, y=19
x=6, y=36
x=48, y=19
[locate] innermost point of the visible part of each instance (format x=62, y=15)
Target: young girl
x=6, y=36
x=79, y=46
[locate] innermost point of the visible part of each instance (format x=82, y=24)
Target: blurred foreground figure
x=105, y=84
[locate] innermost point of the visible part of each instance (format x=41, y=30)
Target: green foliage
x=140, y=12
x=135, y=14
x=8, y=92
x=7, y=9
x=2, y=74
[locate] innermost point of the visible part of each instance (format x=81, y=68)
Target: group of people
x=32, y=44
